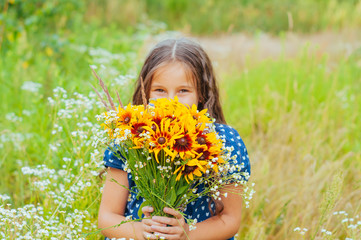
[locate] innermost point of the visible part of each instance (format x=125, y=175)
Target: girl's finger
x=166, y=230
x=147, y=210
x=150, y=222
x=147, y=228
x=173, y=212
x=166, y=220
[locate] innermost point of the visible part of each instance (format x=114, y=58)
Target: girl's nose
x=172, y=95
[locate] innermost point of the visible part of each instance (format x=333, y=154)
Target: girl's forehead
x=176, y=72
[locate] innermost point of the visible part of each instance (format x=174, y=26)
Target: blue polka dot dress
x=198, y=209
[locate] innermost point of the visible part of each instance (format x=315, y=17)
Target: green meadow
x=299, y=117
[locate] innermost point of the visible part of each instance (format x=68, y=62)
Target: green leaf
x=145, y=203
x=181, y=190
x=171, y=197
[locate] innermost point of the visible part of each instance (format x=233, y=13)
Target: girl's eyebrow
x=156, y=85
x=185, y=86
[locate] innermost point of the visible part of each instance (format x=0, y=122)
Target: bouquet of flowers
x=170, y=149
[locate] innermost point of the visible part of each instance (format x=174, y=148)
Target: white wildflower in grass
x=78, y=48
x=301, y=231
x=352, y=227
x=63, y=190
x=93, y=66
x=324, y=231
x=12, y=117
x=14, y=138
x=4, y=197
x=43, y=225
x=122, y=80
x=27, y=112
x=31, y=86
x=51, y=101
x=54, y=147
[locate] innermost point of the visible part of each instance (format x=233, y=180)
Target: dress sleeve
x=239, y=152
x=114, y=159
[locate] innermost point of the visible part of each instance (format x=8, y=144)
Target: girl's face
x=172, y=80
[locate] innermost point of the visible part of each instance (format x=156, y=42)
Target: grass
x=298, y=117
x=300, y=120
x=234, y=15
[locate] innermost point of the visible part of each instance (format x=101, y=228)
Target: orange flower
x=200, y=116
x=163, y=138
x=192, y=167
x=185, y=146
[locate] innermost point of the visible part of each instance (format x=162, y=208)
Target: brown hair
x=196, y=60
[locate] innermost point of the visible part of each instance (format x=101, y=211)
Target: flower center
x=202, y=157
x=201, y=140
x=182, y=141
x=189, y=169
x=126, y=119
x=140, y=129
x=161, y=140
x=154, y=128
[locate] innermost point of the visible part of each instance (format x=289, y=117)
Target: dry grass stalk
x=143, y=92
x=101, y=99
x=120, y=102
x=105, y=89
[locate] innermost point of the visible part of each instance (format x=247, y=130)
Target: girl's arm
x=226, y=224
x=222, y=226
x=112, y=207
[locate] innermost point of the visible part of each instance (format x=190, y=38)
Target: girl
x=174, y=68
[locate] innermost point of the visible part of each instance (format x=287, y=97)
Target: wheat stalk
x=143, y=92
x=105, y=90
x=120, y=102
x=101, y=99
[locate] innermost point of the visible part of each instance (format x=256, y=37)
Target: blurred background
x=290, y=80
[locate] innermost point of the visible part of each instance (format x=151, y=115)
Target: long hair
x=192, y=56
x=195, y=60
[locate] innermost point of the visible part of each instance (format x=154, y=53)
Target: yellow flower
x=163, y=137
x=170, y=108
x=192, y=167
x=210, y=149
x=109, y=130
x=200, y=116
x=185, y=146
x=125, y=117
x=25, y=64
x=140, y=120
x=49, y=51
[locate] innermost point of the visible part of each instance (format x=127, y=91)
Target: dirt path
x=233, y=50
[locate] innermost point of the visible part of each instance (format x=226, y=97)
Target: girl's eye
x=159, y=90
x=184, y=90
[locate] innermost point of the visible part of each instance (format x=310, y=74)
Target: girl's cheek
x=154, y=95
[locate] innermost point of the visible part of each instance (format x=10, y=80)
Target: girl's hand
x=148, y=233
x=170, y=228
